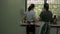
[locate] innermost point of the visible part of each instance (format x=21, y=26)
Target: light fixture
x=39, y=1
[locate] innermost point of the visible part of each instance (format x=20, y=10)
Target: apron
x=45, y=28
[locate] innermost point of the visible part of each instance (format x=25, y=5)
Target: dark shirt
x=46, y=16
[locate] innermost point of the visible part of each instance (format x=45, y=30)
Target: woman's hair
x=46, y=6
x=31, y=7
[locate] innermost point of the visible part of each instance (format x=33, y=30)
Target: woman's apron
x=45, y=28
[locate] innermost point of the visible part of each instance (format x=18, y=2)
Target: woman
x=30, y=18
x=30, y=14
x=46, y=16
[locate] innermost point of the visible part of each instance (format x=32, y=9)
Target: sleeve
x=41, y=15
x=51, y=18
x=51, y=14
x=34, y=14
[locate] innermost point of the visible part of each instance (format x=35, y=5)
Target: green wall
x=10, y=16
